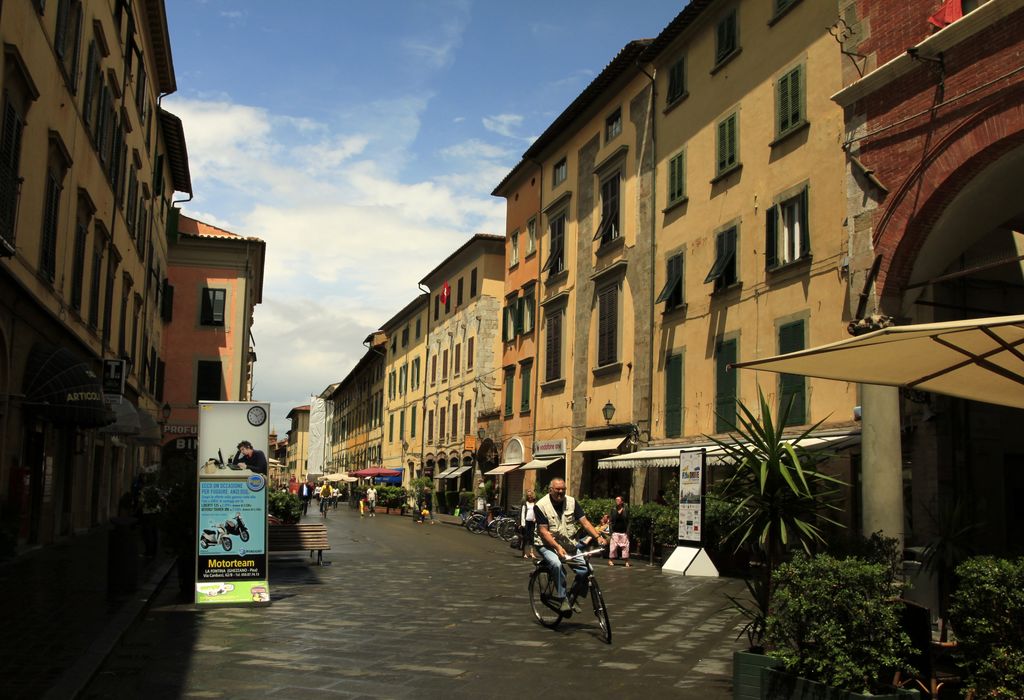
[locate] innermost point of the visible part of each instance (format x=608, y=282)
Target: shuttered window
x=792, y=387
x=677, y=178
x=789, y=101
x=556, y=252
x=674, y=396
x=728, y=143
x=48, y=250
x=725, y=386
x=412, y=423
x=467, y=417
x=524, y=388
x=723, y=271
x=469, y=354
x=672, y=292
x=676, y=81
x=609, y=229
x=213, y=307
x=510, y=385
x=553, y=346
x=725, y=37
x=608, y=326
x=455, y=421
x=10, y=156
x=78, y=270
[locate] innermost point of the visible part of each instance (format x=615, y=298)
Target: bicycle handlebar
x=590, y=553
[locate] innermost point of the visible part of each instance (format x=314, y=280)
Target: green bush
x=286, y=506
x=836, y=621
x=451, y=500
x=987, y=614
x=596, y=508
x=391, y=496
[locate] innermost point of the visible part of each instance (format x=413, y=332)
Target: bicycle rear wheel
x=492, y=527
x=543, y=600
x=507, y=529
x=476, y=524
x=600, y=611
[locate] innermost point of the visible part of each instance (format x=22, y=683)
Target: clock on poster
x=257, y=415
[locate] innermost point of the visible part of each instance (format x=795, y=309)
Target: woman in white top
x=527, y=523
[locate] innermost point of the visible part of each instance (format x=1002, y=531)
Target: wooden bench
x=299, y=537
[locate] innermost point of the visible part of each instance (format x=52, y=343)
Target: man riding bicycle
x=559, y=517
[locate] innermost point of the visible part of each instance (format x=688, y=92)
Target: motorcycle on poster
x=231, y=530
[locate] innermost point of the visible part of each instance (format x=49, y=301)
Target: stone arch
x=979, y=141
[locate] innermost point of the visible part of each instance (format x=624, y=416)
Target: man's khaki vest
x=563, y=528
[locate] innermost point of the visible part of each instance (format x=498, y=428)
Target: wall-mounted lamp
x=608, y=411
x=165, y=411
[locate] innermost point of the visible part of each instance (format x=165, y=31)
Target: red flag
x=950, y=12
x=446, y=291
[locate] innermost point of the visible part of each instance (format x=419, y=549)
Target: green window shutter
x=725, y=386
x=519, y=309
x=524, y=375
x=391, y=428
x=805, y=229
x=771, y=245
x=504, y=324
x=796, y=96
x=401, y=424
x=732, y=155
x=723, y=145
x=510, y=384
x=412, y=423
x=674, y=396
x=782, y=103
x=792, y=387
x=676, y=179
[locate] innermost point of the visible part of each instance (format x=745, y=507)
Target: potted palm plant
x=779, y=501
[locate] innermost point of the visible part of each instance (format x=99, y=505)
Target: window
x=676, y=81
x=448, y=300
x=510, y=320
x=405, y=336
x=430, y=425
x=78, y=271
x=674, y=395
x=401, y=424
x=418, y=329
x=559, y=172
x=67, y=39
x=553, y=345
x=433, y=370
x=441, y=425
x=472, y=283
x=95, y=280
x=608, y=325
x=412, y=423
x=781, y=5
x=526, y=310
x=209, y=381
x=10, y=157
x=677, y=178
x=469, y=354
x=122, y=325
x=728, y=144
x=108, y=298
x=392, y=385
x=672, y=292
x=725, y=38
x=510, y=385
x=455, y=421
x=792, y=386
x=437, y=307
x=787, y=235
x=415, y=373
x=212, y=307
x=458, y=293
x=403, y=379
x=789, y=102
x=531, y=237
x=51, y=211
x=608, y=231
x=725, y=386
x=444, y=366
x=524, y=389
x=391, y=427
x=513, y=254
x=556, y=254
x=458, y=358
x=467, y=417
x=723, y=272
x=613, y=125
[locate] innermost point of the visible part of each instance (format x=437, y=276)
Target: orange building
x=215, y=279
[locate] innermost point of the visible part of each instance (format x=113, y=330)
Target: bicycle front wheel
x=543, y=600
x=476, y=524
x=600, y=611
x=507, y=529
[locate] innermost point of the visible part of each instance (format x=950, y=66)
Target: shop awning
x=446, y=473
x=542, y=463
x=459, y=471
x=503, y=468
x=149, y=430
x=603, y=445
x=645, y=459
x=126, y=419
x=60, y=385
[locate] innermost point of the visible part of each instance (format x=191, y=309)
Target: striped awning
x=503, y=468
x=542, y=463
x=603, y=445
x=668, y=457
x=446, y=473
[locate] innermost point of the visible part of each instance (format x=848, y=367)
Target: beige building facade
x=89, y=163
x=298, y=443
x=406, y=334
x=358, y=409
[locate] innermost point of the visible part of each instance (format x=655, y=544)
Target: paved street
x=406, y=610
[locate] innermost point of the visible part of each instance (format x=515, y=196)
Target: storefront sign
x=549, y=447
x=231, y=526
x=691, y=491
x=113, y=377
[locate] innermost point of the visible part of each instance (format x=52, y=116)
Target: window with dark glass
x=609, y=229
x=725, y=386
x=559, y=172
x=613, y=125
x=556, y=252
x=212, y=312
x=209, y=381
x=787, y=231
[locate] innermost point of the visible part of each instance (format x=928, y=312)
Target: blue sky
x=362, y=140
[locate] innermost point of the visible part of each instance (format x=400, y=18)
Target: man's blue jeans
x=555, y=567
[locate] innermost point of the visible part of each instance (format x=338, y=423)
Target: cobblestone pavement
x=418, y=611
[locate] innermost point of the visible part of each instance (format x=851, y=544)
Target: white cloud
x=503, y=124
x=348, y=237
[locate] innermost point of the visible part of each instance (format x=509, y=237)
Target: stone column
x=881, y=461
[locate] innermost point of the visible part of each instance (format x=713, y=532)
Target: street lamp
x=608, y=411
x=165, y=411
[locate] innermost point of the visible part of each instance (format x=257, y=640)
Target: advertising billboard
x=691, y=492
x=231, y=527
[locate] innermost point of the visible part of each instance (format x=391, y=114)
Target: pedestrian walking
x=527, y=525
x=306, y=494
x=371, y=501
x=619, y=522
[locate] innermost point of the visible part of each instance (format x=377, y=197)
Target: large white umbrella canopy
x=979, y=359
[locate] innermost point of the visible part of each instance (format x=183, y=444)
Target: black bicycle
x=546, y=604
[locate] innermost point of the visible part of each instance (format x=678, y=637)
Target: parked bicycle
x=546, y=605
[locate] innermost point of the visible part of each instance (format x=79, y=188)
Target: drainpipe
x=536, y=315
x=654, y=247
x=426, y=364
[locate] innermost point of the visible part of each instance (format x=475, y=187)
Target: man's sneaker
x=576, y=606
x=564, y=607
